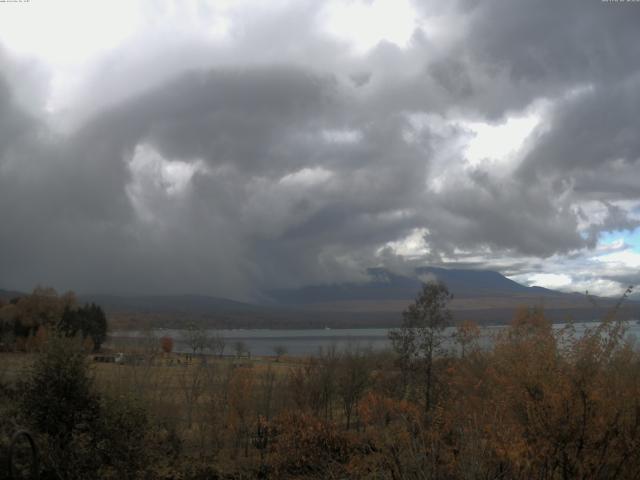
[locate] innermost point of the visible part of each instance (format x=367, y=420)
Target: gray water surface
x=311, y=341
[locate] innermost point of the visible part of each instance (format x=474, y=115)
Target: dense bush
x=81, y=434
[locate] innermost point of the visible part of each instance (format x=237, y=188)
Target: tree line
x=26, y=321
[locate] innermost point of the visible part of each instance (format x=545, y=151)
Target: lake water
x=310, y=342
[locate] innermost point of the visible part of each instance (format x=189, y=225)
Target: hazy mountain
x=481, y=295
x=178, y=304
x=9, y=294
x=388, y=286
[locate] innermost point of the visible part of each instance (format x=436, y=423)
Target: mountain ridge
x=385, y=285
x=482, y=295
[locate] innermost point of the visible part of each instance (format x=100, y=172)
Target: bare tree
x=325, y=378
x=191, y=381
x=197, y=338
x=353, y=379
x=421, y=335
x=214, y=423
x=466, y=336
x=279, y=350
x=240, y=348
x=267, y=383
x=217, y=344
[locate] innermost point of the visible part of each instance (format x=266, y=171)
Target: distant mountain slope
x=388, y=286
x=475, y=282
x=9, y=294
x=383, y=286
x=482, y=295
x=485, y=296
x=178, y=304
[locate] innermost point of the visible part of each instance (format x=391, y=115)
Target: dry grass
x=189, y=397
x=13, y=365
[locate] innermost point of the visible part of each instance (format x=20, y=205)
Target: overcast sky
x=225, y=148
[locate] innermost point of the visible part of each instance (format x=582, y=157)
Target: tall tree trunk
x=429, y=381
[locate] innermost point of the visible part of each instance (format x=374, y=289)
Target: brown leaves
x=166, y=344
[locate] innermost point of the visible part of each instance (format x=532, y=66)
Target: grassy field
x=13, y=365
x=197, y=397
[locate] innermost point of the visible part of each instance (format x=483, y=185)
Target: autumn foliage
x=541, y=403
x=166, y=344
x=534, y=401
x=26, y=321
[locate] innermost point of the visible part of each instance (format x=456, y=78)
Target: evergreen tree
x=88, y=321
x=58, y=402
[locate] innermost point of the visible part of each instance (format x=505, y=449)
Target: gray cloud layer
x=279, y=160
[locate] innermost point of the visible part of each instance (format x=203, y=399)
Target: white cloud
x=365, y=24
x=306, y=177
x=613, y=246
x=66, y=31
x=155, y=180
x=498, y=142
x=342, y=136
x=624, y=259
x=550, y=280
x=413, y=245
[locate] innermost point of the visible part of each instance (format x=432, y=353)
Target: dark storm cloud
x=506, y=215
x=219, y=116
x=546, y=48
x=596, y=131
x=261, y=133
x=276, y=165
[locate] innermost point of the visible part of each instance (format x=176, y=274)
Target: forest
x=539, y=402
x=26, y=321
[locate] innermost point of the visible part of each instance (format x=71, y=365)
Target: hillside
x=484, y=296
x=385, y=285
x=9, y=294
